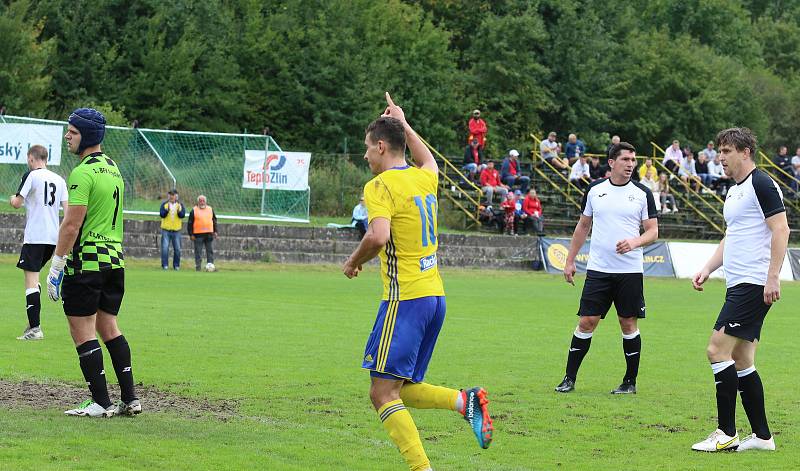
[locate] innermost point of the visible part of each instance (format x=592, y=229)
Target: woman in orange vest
x=202, y=229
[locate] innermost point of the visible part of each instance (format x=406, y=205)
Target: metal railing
x=452, y=183
x=537, y=157
x=778, y=178
x=684, y=198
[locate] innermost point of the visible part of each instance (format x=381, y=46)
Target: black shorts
x=625, y=290
x=87, y=292
x=34, y=256
x=744, y=311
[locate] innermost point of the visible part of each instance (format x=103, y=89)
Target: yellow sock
x=403, y=432
x=428, y=396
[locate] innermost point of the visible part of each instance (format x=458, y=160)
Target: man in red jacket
x=477, y=128
x=490, y=182
x=532, y=213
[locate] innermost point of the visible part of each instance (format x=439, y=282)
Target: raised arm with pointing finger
x=419, y=151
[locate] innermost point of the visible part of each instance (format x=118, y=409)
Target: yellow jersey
x=406, y=196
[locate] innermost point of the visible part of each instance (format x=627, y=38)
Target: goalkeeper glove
x=55, y=277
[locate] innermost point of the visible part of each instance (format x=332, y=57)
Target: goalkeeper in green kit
x=91, y=279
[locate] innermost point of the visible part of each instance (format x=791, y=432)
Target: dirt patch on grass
x=64, y=396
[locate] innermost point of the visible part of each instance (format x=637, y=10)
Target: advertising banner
x=689, y=257
x=16, y=139
x=657, y=259
x=276, y=170
x=794, y=262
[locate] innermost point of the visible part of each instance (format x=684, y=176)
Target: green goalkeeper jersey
x=97, y=184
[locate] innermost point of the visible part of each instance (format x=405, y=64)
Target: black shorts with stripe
x=624, y=290
x=34, y=256
x=744, y=311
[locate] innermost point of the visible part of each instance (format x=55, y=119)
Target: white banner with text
x=276, y=170
x=16, y=139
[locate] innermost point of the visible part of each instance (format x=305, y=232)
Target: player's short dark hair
x=617, y=149
x=739, y=138
x=38, y=152
x=388, y=130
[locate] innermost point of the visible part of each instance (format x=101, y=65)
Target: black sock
x=726, y=380
x=632, y=346
x=752, y=392
x=34, y=306
x=577, y=350
x=121, y=358
x=91, y=359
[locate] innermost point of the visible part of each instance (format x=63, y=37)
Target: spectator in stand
x=549, y=149
x=688, y=172
x=709, y=152
x=580, y=175
x=360, y=218
x=784, y=162
x=473, y=159
x=701, y=166
x=574, y=148
x=532, y=213
x=491, y=218
x=171, y=212
x=719, y=181
x=614, y=141
x=796, y=172
x=509, y=206
x=650, y=180
x=648, y=165
x=596, y=171
x=478, y=128
x=490, y=182
x=673, y=157
x=510, y=173
x=665, y=194
x=519, y=220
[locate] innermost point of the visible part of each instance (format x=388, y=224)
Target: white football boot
x=89, y=408
x=717, y=441
x=752, y=442
x=32, y=334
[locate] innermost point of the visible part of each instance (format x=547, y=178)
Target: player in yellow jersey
x=401, y=203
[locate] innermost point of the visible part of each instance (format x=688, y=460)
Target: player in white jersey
x=41, y=192
x=614, y=208
x=751, y=255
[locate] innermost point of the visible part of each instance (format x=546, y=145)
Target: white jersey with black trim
x=617, y=212
x=43, y=192
x=748, y=240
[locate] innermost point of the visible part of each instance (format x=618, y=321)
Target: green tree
x=24, y=78
x=507, y=78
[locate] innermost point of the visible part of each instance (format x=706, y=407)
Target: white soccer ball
x=210, y=267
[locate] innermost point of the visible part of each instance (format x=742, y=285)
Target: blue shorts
x=403, y=337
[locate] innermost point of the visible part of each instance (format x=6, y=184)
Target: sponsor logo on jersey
x=426, y=263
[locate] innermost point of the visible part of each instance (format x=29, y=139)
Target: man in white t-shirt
x=614, y=208
x=579, y=175
x=751, y=255
x=41, y=192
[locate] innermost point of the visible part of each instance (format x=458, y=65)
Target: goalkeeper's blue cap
x=91, y=124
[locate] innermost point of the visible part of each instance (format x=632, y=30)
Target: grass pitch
x=257, y=367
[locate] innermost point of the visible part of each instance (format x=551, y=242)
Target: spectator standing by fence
x=509, y=206
x=172, y=211
x=202, y=227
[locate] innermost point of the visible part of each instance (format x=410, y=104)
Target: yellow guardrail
x=453, y=183
x=772, y=165
x=544, y=176
x=684, y=199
